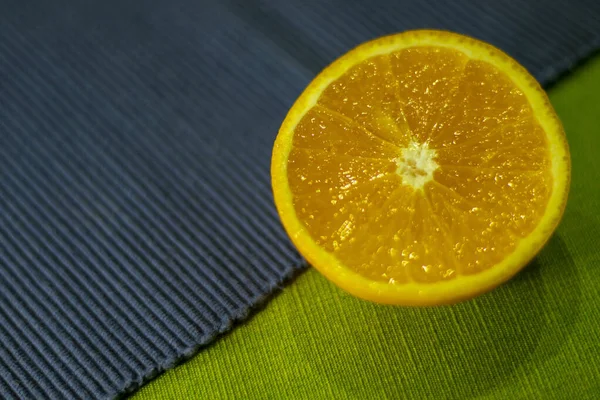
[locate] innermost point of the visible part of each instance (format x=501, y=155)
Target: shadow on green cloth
x=479, y=343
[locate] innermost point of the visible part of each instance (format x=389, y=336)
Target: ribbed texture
x=136, y=218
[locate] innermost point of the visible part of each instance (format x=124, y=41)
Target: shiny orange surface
x=420, y=165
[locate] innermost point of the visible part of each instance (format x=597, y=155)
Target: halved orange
x=421, y=168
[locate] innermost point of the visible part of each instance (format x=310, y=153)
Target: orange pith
x=418, y=166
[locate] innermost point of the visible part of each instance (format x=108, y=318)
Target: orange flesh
x=353, y=184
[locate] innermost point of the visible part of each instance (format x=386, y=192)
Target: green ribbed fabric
x=536, y=337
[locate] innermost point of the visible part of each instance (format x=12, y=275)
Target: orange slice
x=421, y=168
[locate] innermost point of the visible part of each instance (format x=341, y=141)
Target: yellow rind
x=462, y=287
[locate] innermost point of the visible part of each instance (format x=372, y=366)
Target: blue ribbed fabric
x=136, y=218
